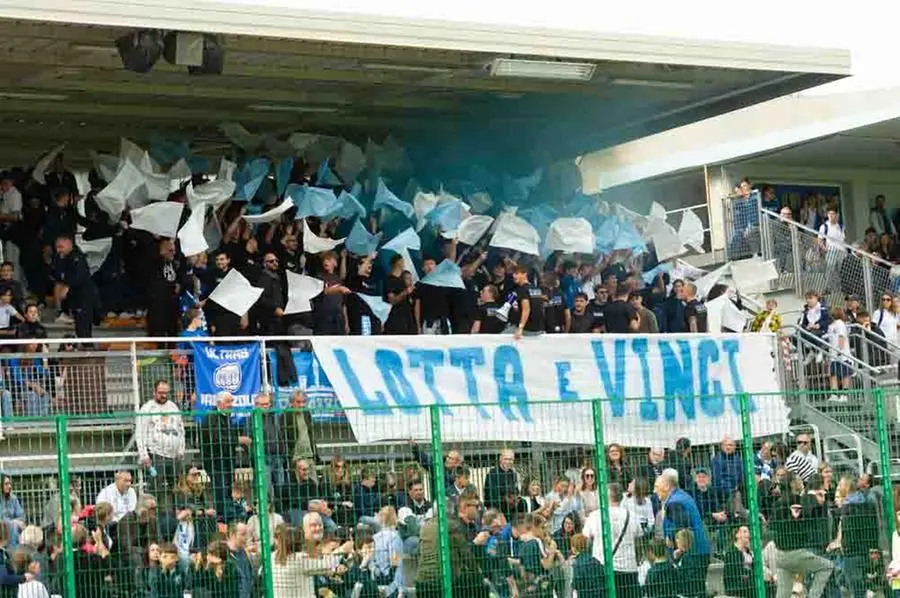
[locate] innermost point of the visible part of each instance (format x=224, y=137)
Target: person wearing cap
x=712, y=502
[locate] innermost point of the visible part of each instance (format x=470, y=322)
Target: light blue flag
x=446, y=274
x=650, y=275
x=312, y=201
x=325, y=177
x=348, y=207
x=447, y=214
x=630, y=238
x=283, y=174
x=606, y=234
x=356, y=190
x=381, y=309
x=249, y=178
x=360, y=241
x=540, y=217
x=385, y=197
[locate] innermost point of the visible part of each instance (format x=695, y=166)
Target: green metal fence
x=167, y=503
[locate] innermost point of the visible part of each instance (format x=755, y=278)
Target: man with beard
x=159, y=435
x=269, y=309
x=220, y=437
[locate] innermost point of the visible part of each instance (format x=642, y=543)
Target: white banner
x=537, y=389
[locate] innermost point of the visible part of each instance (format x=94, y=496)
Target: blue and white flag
x=234, y=369
x=321, y=400
x=385, y=197
x=629, y=238
x=446, y=274
x=360, y=241
x=650, y=275
x=447, y=214
x=249, y=178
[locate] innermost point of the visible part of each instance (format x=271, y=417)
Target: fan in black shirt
x=530, y=303
x=432, y=305
x=582, y=318
x=360, y=318
x=398, y=291
x=695, y=315
x=487, y=320
x=620, y=315
x=557, y=318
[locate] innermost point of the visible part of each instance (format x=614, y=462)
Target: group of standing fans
x=148, y=276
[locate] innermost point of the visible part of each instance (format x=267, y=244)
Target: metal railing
x=742, y=234
x=807, y=262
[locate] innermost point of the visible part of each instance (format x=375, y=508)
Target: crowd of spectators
x=514, y=529
x=149, y=276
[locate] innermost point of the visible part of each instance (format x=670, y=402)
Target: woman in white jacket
x=886, y=318
x=299, y=557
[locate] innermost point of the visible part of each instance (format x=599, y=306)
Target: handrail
x=809, y=337
x=883, y=342
x=848, y=248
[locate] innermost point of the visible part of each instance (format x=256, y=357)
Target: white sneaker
x=64, y=319
x=126, y=315
x=111, y=315
x=835, y=398
x=140, y=313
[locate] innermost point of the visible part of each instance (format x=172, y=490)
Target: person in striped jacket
x=802, y=462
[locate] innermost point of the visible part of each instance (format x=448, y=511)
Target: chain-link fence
x=741, y=215
x=283, y=502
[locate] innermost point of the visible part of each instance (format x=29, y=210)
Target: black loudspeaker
x=213, y=58
x=139, y=50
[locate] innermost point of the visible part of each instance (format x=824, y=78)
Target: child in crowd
x=166, y=581
x=661, y=581
x=689, y=567
x=587, y=572
x=841, y=357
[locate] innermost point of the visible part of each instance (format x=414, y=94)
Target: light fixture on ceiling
x=290, y=108
x=405, y=68
x=111, y=50
x=658, y=84
x=542, y=69
x=49, y=97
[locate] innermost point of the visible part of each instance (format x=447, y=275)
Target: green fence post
x=440, y=502
x=261, y=479
x=603, y=498
x=750, y=492
x=62, y=465
x=884, y=445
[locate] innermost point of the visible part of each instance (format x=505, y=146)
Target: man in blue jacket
x=681, y=512
x=728, y=468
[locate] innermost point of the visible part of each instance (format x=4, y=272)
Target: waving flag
x=446, y=274
x=283, y=175
x=249, y=178
x=515, y=233
x=311, y=201
x=570, y=235
x=385, y=197
x=360, y=241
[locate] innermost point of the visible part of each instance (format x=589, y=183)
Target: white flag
x=126, y=184
x=753, y=274
x=40, y=169
x=273, y=214
x=214, y=193
x=313, y=243
x=301, y=290
x=95, y=251
x=570, y=235
x=471, y=230
x=690, y=231
x=160, y=219
x=235, y=293
x=515, y=233
x=191, y=237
